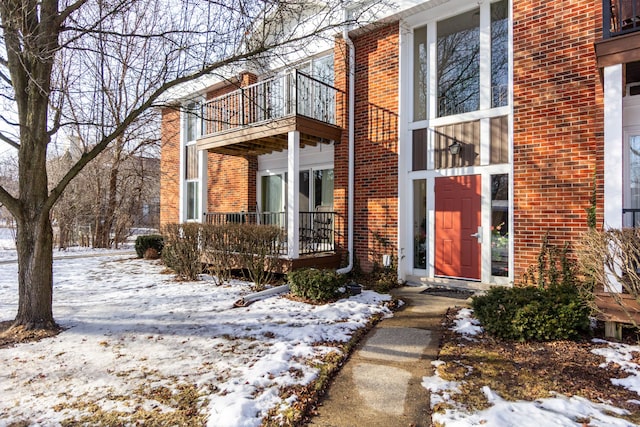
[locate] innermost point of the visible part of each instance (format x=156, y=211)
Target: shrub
x=150, y=241
x=315, y=285
x=181, y=250
x=533, y=314
x=258, y=247
x=611, y=258
x=217, y=251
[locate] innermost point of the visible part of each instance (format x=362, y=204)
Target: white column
x=613, y=146
x=293, y=190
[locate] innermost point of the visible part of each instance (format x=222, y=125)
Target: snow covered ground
x=131, y=329
x=560, y=411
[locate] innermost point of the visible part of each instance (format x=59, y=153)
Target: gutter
x=351, y=133
x=248, y=299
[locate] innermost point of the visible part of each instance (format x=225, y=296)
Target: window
x=191, y=162
x=420, y=74
x=420, y=224
x=632, y=178
x=323, y=188
x=500, y=225
x=316, y=190
x=459, y=64
x=499, y=54
x=193, y=201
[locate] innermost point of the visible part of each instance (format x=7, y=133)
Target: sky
x=129, y=327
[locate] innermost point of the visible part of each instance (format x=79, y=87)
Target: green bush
x=315, y=285
x=150, y=241
x=182, y=249
x=533, y=314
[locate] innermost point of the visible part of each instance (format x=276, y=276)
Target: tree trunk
x=35, y=273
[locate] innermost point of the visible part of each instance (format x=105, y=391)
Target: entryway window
x=500, y=225
x=420, y=224
x=459, y=64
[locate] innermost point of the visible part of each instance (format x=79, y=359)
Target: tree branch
x=9, y=141
x=9, y=202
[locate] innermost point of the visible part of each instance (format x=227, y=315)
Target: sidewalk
x=380, y=385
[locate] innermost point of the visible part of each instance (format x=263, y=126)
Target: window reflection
x=459, y=64
x=499, y=54
x=500, y=225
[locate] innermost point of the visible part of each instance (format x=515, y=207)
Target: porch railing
x=293, y=93
x=620, y=17
x=317, y=229
x=634, y=213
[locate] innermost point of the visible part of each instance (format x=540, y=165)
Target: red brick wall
x=169, y=166
x=558, y=129
x=376, y=144
x=231, y=183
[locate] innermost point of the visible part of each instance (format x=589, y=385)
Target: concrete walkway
x=380, y=385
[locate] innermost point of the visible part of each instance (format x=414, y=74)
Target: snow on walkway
x=129, y=328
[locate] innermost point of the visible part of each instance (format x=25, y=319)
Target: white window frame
x=202, y=166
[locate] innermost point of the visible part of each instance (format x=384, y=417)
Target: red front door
x=457, y=220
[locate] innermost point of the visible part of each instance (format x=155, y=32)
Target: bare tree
x=62, y=63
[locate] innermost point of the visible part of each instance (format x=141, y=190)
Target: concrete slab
x=382, y=388
x=396, y=344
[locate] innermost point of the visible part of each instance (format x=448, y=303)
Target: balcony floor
x=266, y=137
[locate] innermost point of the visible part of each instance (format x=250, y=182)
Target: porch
x=315, y=245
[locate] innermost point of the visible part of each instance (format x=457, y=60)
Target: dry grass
x=529, y=371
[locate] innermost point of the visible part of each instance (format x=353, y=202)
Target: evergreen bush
x=150, y=241
x=532, y=313
x=315, y=285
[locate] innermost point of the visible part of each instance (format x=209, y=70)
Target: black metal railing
x=620, y=17
x=634, y=214
x=293, y=93
x=317, y=229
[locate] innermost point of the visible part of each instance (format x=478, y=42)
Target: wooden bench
x=616, y=309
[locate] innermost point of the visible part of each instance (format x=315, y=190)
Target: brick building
x=476, y=129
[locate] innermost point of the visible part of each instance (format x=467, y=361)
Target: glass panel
x=500, y=225
x=420, y=224
x=323, y=69
x=632, y=219
x=272, y=193
x=499, y=54
x=192, y=200
x=420, y=73
x=459, y=64
x=191, y=122
x=303, y=195
x=323, y=188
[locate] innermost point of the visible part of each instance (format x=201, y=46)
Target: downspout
x=350, y=130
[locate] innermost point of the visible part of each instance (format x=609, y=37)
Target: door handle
x=477, y=235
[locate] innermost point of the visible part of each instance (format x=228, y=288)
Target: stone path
x=380, y=385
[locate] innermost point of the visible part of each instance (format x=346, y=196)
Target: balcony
x=620, y=17
x=256, y=119
x=620, y=42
